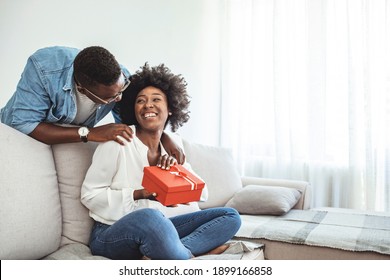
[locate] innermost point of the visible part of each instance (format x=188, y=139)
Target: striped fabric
x=348, y=231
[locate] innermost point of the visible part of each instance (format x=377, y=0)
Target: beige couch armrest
x=303, y=186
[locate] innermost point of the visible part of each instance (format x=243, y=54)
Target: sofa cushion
x=72, y=162
x=30, y=212
x=216, y=167
x=74, y=251
x=264, y=200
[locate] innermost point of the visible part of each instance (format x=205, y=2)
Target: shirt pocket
x=53, y=116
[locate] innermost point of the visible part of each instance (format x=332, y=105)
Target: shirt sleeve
x=102, y=195
x=32, y=101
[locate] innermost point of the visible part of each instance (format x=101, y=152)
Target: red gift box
x=174, y=186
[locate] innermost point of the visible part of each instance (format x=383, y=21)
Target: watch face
x=83, y=131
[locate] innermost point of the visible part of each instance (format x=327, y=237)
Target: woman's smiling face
x=151, y=108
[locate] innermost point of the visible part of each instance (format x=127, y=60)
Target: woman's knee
x=234, y=217
x=230, y=217
x=233, y=212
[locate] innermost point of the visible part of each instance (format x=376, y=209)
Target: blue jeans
x=147, y=232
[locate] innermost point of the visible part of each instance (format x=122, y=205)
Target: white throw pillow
x=72, y=162
x=264, y=200
x=217, y=168
x=30, y=210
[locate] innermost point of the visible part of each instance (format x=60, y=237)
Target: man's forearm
x=53, y=134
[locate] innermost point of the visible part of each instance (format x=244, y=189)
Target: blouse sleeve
x=102, y=196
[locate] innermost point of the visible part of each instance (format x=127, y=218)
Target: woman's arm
x=105, y=190
x=172, y=148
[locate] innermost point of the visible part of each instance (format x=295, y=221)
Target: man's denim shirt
x=45, y=93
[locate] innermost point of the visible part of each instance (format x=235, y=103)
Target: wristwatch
x=83, y=132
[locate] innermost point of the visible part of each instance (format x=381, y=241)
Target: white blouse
x=116, y=171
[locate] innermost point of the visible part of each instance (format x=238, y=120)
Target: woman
x=129, y=222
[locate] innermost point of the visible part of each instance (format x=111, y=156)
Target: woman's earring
x=170, y=113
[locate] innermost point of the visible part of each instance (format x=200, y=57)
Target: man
x=63, y=86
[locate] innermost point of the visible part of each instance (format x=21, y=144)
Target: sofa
x=41, y=216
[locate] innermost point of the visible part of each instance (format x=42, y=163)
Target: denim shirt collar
x=69, y=81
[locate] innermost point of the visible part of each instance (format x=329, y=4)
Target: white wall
x=168, y=31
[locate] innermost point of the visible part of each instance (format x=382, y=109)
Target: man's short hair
x=96, y=65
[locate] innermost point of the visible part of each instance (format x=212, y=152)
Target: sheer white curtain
x=306, y=95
